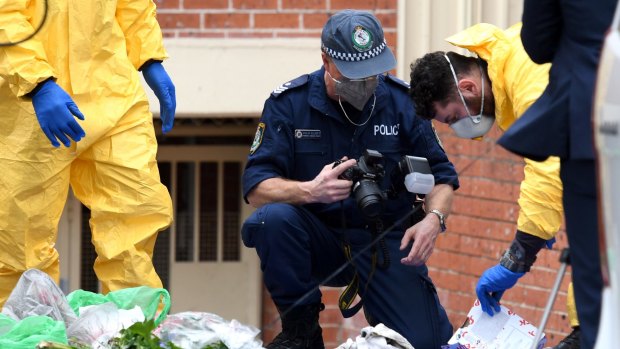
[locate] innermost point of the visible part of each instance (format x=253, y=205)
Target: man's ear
x=469, y=87
x=325, y=59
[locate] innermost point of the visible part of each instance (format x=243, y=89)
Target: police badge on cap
x=355, y=42
x=362, y=39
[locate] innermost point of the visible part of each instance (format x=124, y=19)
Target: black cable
x=5, y=44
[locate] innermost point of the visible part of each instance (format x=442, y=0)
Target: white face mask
x=357, y=92
x=473, y=126
x=468, y=128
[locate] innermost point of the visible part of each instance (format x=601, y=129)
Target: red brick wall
x=263, y=18
x=484, y=213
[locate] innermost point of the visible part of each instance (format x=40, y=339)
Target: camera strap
x=345, y=302
x=376, y=232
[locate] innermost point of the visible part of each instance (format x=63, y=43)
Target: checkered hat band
x=359, y=56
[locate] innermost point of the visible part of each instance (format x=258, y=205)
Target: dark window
x=208, y=211
x=88, y=279
x=232, y=210
x=185, y=211
x=161, y=255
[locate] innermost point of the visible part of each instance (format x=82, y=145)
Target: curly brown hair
x=432, y=80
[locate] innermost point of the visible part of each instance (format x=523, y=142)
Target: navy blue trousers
x=581, y=212
x=297, y=252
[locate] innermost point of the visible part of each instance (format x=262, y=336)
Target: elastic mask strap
x=476, y=119
x=456, y=82
x=481, y=83
x=331, y=77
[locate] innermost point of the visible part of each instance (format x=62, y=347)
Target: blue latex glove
x=491, y=286
x=55, y=111
x=158, y=80
x=549, y=243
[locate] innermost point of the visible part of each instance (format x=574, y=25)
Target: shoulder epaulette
x=397, y=81
x=300, y=81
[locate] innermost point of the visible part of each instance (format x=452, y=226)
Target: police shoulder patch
x=437, y=137
x=300, y=81
x=397, y=81
x=258, y=137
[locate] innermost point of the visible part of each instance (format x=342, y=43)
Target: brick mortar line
x=261, y=11
x=245, y=31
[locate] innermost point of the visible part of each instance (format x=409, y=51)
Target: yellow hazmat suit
x=517, y=83
x=93, y=49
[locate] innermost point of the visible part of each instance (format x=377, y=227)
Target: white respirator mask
x=473, y=126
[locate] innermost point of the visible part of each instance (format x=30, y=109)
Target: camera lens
x=368, y=197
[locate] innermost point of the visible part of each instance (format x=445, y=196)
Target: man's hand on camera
x=423, y=236
x=326, y=187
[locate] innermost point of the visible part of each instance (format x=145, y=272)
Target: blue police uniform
x=569, y=34
x=299, y=133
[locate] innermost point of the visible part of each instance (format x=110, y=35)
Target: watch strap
x=442, y=219
x=516, y=260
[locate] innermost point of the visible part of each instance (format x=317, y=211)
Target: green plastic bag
x=30, y=331
x=147, y=298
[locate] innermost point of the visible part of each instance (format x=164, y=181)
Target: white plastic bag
x=378, y=337
x=37, y=294
x=195, y=330
x=98, y=324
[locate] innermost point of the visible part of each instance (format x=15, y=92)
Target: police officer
x=306, y=217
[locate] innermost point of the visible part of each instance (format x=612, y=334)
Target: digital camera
x=366, y=175
x=412, y=173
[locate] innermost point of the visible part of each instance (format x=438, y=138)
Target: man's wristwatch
x=516, y=258
x=511, y=262
x=442, y=219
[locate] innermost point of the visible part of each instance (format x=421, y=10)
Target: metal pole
x=565, y=260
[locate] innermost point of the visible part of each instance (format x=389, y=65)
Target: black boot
x=572, y=341
x=300, y=328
